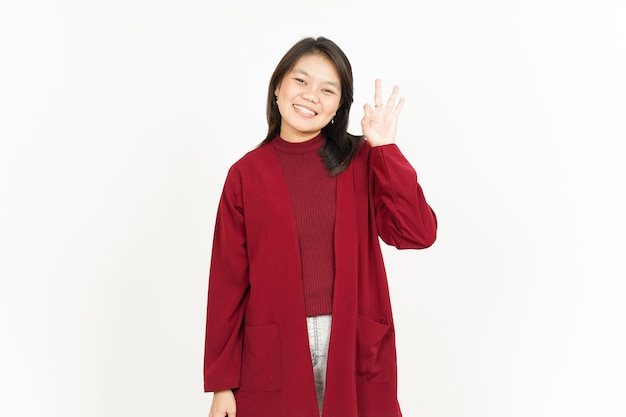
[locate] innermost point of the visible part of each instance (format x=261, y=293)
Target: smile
x=304, y=110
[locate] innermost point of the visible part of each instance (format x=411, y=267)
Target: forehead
x=317, y=66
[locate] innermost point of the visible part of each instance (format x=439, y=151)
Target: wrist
x=381, y=143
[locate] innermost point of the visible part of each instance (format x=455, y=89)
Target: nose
x=310, y=95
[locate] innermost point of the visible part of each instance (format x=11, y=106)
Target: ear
x=277, y=89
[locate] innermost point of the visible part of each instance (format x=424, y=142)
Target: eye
x=299, y=80
x=328, y=91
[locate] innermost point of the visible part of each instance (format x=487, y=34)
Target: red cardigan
x=256, y=334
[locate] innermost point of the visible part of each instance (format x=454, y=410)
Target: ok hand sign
x=379, y=123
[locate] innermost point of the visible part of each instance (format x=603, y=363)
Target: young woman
x=299, y=320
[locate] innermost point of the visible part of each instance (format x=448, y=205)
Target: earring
x=332, y=122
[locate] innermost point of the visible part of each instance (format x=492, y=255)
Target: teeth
x=304, y=110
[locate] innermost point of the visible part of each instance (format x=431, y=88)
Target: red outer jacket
x=256, y=334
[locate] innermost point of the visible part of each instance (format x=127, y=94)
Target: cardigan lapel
x=340, y=370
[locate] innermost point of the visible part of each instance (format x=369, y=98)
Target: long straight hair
x=339, y=147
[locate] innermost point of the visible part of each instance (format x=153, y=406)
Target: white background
x=119, y=119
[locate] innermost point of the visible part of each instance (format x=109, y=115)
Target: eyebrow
x=303, y=72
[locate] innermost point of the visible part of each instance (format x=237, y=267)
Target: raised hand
x=379, y=123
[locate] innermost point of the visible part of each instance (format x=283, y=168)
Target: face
x=308, y=97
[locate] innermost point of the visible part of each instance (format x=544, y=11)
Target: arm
x=403, y=217
x=228, y=291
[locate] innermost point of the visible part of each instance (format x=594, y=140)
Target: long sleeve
x=403, y=217
x=228, y=291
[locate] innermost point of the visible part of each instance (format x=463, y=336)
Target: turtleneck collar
x=311, y=145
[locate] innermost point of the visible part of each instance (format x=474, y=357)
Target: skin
x=379, y=123
x=223, y=404
x=308, y=98
x=310, y=94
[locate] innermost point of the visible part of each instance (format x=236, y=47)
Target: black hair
x=339, y=147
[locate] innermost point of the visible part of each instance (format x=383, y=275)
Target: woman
x=299, y=320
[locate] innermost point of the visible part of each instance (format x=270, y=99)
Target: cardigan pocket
x=260, y=363
x=373, y=361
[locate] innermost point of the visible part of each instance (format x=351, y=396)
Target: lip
x=304, y=110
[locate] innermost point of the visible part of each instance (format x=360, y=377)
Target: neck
x=298, y=137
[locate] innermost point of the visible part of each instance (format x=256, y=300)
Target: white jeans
x=319, y=337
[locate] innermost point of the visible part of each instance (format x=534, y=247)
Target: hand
x=379, y=123
x=223, y=404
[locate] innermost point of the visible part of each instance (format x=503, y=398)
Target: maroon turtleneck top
x=313, y=195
